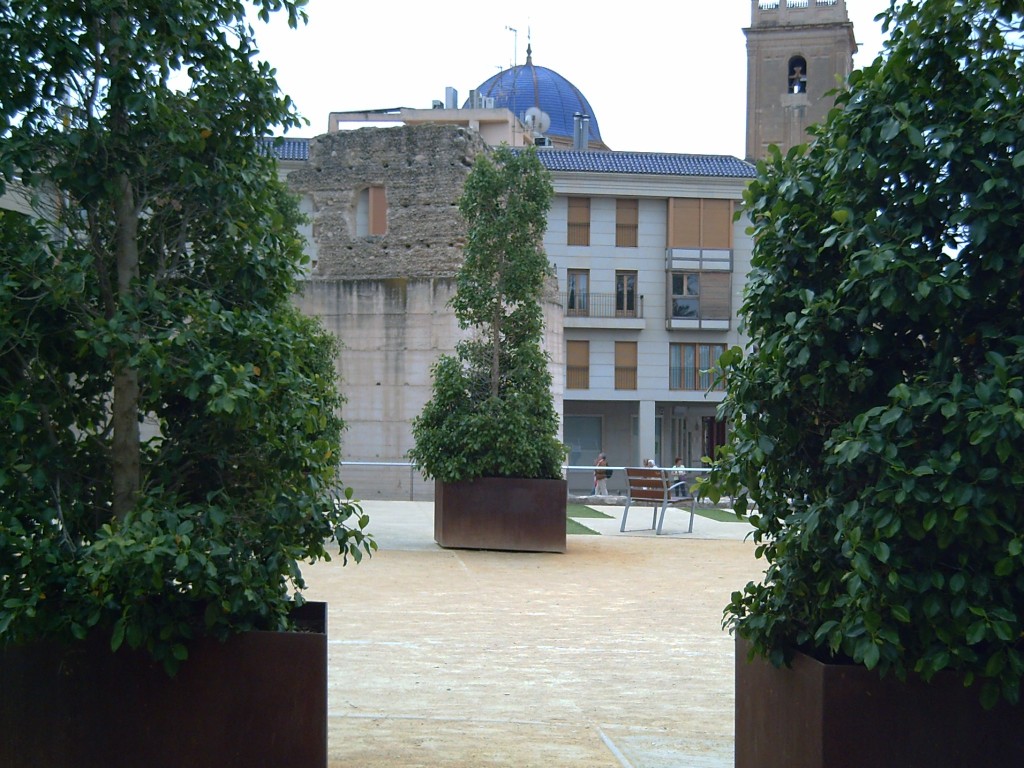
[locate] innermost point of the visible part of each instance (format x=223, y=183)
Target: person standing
x=680, y=477
x=601, y=476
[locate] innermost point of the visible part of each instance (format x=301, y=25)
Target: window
x=690, y=366
x=627, y=219
x=372, y=212
x=577, y=369
x=625, y=365
x=625, y=294
x=579, y=221
x=695, y=223
x=686, y=295
x=577, y=292
x=700, y=296
x=797, y=75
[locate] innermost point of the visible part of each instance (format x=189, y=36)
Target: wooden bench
x=658, y=488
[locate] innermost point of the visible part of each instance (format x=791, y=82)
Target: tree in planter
x=153, y=284
x=878, y=414
x=492, y=414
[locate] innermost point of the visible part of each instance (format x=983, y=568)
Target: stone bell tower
x=796, y=50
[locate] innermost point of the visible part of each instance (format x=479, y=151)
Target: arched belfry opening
x=797, y=78
x=796, y=51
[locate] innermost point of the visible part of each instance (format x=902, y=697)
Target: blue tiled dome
x=528, y=85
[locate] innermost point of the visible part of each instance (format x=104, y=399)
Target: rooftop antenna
x=515, y=43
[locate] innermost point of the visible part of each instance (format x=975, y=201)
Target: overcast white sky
x=659, y=76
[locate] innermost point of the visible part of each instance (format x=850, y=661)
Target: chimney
x=580, y=132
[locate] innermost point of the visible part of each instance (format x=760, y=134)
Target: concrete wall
x=393, y=330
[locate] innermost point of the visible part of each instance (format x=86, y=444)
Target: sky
x=659, y=76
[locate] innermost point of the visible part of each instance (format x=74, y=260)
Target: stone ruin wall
x=422, y=169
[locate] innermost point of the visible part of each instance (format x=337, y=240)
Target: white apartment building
x=651, y=263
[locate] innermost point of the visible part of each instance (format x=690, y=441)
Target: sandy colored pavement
x=609, y=655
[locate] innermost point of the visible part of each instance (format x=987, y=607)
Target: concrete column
x=645, y=428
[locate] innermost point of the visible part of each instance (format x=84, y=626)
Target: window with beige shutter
x=700, y=223
x=627, y=222
x=684, y=223
x=716, y=295
x=625, y=364
x=579, y=221
x=577, y=365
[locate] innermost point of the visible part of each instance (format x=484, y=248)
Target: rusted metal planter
x=816, y=715
x=258, y=699
x=501, y=513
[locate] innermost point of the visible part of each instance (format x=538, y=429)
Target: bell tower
x=796, y=50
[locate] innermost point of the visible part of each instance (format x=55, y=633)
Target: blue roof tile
x=645, y=163
x=649, y=163
x=288, y=149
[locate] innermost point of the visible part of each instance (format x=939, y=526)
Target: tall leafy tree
x=169, y=424
x=879, y=410
x=492, y=413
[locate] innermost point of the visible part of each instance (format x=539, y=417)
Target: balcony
x=603, y=310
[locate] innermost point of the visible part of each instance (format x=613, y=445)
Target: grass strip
x=582, y=510
x=572, y=527
x=721, y=515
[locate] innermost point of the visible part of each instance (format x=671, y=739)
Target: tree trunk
x=496, y=350
x=126, y=444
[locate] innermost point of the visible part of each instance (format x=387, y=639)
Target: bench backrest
x=647, y=484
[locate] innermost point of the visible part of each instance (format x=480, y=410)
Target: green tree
x=879, y=410
x=153, y=287
x=492, y=413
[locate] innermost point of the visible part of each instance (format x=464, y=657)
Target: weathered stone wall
x=422, y=168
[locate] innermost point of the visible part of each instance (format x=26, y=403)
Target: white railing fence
x=400, y=480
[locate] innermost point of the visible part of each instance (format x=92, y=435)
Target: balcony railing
x=602, y=305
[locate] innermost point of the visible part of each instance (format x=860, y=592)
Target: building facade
x=651, y=262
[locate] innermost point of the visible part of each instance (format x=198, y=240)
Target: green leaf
x=976, y=633
x=901, y=614
x=117, y=636
x=871, y=655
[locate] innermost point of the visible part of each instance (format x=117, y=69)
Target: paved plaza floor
x=609, y=655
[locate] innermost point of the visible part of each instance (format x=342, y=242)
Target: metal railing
x=626, y=307
x=393, y=480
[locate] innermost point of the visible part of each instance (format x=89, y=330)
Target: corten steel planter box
x=258, y=699
x=501, y=513
x=816, y=715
